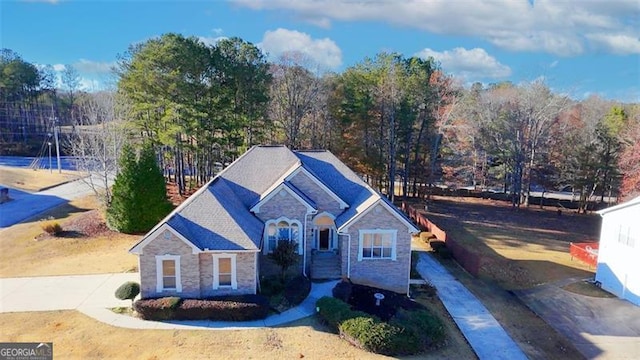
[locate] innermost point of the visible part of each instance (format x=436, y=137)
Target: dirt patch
x=34, y=180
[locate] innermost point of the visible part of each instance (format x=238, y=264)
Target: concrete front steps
x=325, y=265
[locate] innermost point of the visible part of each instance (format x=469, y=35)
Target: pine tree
x=139, y=195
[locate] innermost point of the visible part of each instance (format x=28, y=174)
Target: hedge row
x=231, y=308
x=408, y=332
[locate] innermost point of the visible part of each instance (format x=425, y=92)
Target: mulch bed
x=86, y=225
x=363, y=299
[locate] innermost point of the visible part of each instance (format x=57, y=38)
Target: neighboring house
x=217, y=241
x=618, y=268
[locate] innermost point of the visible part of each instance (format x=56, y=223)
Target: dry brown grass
x=26, y=252
x=76, y=336
x=34, y=180
x=518, y=249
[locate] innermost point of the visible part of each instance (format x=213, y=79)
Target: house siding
x=382, y=273
x=245, y=275
x=282, y=205
x=323, y=200
x=618, y=265
x=189, y=266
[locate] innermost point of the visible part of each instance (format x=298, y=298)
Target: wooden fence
x=469, y=260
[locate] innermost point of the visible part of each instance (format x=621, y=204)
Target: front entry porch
x=325, y=265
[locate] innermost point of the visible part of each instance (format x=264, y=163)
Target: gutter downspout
x=304, y=244
x=348, y=253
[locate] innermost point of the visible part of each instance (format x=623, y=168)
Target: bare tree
x=294, y=93
x=97, y=138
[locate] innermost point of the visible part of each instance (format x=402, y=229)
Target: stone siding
x=382, y=273
x=282, y=204
x=245, y=275
x=189, y=266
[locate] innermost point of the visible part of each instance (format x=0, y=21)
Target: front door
x=323, y=239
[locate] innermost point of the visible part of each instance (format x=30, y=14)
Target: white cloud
x=554, y=64
x=59, y=67
x=94, y=67
x=217, y=31
x=212, y=40
x=616, y=43
x=565, y=28
x=472, y=65
x=324, y=52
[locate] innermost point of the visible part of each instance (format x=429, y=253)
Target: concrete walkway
x=93, y=295
x=25, y=205
x=485, y=335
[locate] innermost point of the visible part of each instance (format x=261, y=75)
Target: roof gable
x=317, y=181
x=152, y=235
x=291, y=190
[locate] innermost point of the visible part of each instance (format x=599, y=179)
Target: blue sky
x=579, y=47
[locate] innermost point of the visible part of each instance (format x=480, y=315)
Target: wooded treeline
x=391, y=118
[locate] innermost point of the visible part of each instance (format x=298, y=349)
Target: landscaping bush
x=128, y=291
x=297, y=289
x=414, y=274
x=426, y=328
x=271, y=285
x=437, y=244
x=157, y=309
x=444, y=252
x=334, y=311
x=379, y=337
x=342, y=290
x=230, y=308
x=52, y=228
x=240, y=308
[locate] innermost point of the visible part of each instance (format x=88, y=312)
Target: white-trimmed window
x=377, y=244
x=168, y=273
x=224, y=271
x=282, y=230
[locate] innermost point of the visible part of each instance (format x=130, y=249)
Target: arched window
x=282, y=230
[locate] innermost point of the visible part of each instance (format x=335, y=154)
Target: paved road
x=483, y=332
x=25, y=205
x=66, y=162
x=603, y=328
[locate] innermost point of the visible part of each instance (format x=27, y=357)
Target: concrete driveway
x=600, y=328
x=62, y=292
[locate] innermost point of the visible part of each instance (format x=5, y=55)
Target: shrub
x=297, y=289
x=240, y=308
x=379, y=337
x=285, y=255
x=271, y=285
x=426, y=327
x=52, y=228
x=230, y=308
x=342, y=290
x=128, y=290
x=157, y=309
x=444, y=252
x=334, y=311
x=435, y=245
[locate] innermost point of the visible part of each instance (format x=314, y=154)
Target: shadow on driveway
x=607, y=328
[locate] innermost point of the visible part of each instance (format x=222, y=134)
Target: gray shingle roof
x=257, y=170
x=218, y=217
